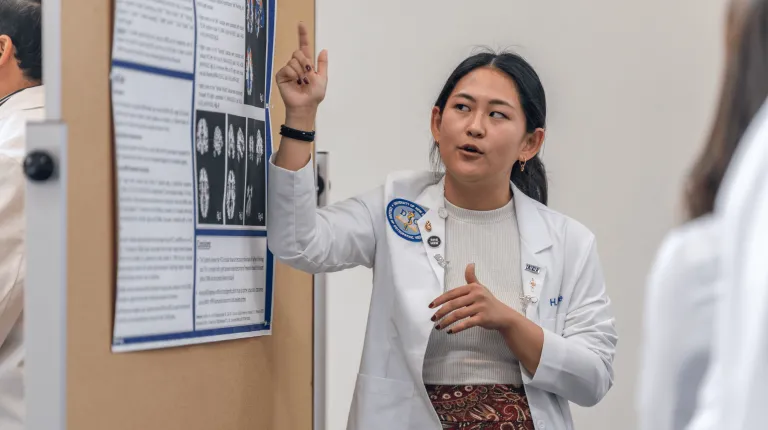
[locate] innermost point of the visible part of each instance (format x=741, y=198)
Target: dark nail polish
x=450, y=331
x=437, y=327
x=309, y=68
x=298, y=81
x=431, y=305
x=434, y=318
x=306, y=81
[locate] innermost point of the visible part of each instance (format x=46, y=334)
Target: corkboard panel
x=260, y=383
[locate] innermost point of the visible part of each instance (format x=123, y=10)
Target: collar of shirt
x=8, y=97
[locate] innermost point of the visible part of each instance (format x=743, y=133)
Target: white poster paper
x=190, y=100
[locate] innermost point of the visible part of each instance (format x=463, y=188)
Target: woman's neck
x=479, y=196
x=14, y=86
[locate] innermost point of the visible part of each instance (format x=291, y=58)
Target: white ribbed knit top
x=491, y=240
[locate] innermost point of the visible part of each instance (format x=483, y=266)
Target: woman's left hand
x=471, y=305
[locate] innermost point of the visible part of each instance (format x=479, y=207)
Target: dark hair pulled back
x=533, y=180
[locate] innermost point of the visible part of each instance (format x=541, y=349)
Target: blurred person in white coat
x=735, y=393
x=489, y=309
x=21, y=100
x=688, y=279
x=736, y=390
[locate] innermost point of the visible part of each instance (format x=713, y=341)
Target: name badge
x=533, y=269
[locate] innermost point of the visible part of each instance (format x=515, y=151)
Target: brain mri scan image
x=255, y=174
x=234, y=191
x=259, y=148
x=254, y=52
x=205, y=193
x=231, y=142
x=256, y=16
x=218, y=142
x=250, y=15
x=240, y=144
x=248, y=200
x=231, y=194
x=249, y=72
x=210, y=167
x=202, y=136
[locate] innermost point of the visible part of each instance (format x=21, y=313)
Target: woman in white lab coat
x=686, y=283
x=489, y=310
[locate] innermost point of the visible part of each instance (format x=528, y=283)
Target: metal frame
x=45, y=296
x=52, y=56
x=319, y=370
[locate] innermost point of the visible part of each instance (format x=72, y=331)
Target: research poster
x=190, y=104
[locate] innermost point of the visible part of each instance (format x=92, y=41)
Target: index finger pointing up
x=304, y=40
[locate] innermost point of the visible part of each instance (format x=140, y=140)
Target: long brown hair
x=744, y=91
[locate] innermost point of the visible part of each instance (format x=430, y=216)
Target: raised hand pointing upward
x=302, y=85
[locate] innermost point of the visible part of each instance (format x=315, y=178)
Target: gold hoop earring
x=522, y=164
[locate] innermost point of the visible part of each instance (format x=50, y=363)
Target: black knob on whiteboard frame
x=39, y=166
x=320, y=186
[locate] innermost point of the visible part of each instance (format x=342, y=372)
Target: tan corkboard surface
x=260, y=383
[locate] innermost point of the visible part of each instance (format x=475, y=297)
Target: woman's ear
x=532, y=144
x=7, y=50
x=435, y=121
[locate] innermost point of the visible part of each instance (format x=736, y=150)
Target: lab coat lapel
x=422, y=280
x=432, y=226
x=534, y=238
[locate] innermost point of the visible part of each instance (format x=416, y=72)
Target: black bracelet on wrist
x=292, y=133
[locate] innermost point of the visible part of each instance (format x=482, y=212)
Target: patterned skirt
x=481, y=407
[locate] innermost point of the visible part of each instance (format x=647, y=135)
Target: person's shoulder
x=406, y=185
x=13, y=134
x=409, y=184
x=695, y=242
x=688, y=256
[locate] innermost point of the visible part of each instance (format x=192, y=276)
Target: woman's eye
x=499, y=115
x=461, y=107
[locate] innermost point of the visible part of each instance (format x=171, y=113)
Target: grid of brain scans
x=230, y=153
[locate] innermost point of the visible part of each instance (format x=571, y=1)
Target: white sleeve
x=743, y=343
x=328, y=239
x=578, y=365
x=678, y=327
x=11, y=243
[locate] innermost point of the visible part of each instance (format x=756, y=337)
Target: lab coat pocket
x=380, y=403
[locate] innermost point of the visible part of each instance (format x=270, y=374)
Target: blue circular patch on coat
x=402, y=215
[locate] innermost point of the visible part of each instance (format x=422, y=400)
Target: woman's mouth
x=471, y=149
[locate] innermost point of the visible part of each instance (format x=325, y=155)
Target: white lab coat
x=14, y=114
x=573, y=307
x=681, y=294
x=736, y=389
